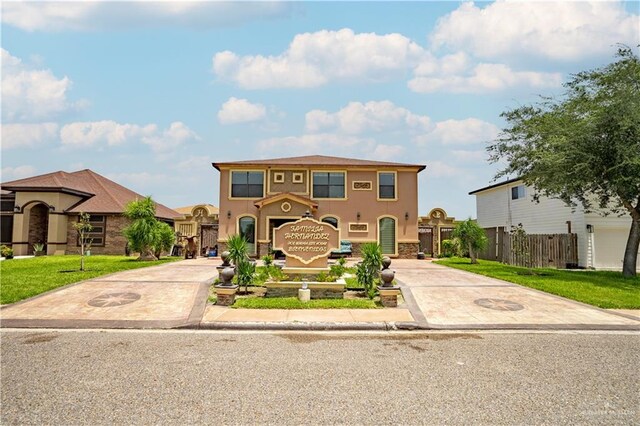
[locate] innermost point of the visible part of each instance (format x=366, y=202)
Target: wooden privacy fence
x=532, y=250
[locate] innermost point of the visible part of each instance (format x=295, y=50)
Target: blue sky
x=149, y=94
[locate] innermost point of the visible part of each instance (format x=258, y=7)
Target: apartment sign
x=306, y=239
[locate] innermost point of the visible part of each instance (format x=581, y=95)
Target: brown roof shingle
x=102, y=195
x=317, y=160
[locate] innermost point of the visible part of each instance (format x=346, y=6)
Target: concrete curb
x=308, y=326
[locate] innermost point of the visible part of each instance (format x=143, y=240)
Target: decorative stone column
x=225, y=262
x=388, y=292
x=226, y=292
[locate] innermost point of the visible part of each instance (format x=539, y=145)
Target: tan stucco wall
x=366, y=202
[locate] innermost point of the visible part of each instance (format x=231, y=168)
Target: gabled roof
x=100, y=194
x=281, y=196
x=506, y=182
x=316, y=160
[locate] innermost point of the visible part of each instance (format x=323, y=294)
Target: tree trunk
x=631, y=252
x=472, y=254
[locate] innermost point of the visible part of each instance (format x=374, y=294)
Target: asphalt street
x=204, y=377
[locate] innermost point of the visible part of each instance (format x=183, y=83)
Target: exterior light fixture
x=358, y=215
x=307, y=214
x=228, y=214
x=590, y=229
x=16, y=209
x=52, y=209
x=406, y=216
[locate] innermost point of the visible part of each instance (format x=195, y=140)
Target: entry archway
x=38, y=226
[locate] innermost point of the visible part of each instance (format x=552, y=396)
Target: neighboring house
x=368, y=201
x=601, y=239
x=434, y=228
x=43, y=209
x=200, y=221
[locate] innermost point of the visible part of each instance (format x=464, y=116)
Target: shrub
x=451, y=248
x=267, y=260
x=472, y=238
x=368, y=271
x=141, y=233
x=164, y=238
x=6, y=251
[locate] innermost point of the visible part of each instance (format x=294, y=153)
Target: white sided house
x=601, y=239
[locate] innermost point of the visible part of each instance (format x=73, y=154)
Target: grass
x=294, y=303
x=605, y=289
x=23, y=278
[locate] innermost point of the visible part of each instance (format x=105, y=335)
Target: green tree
x=584, y=147
x=82, y=227
x=141, y=233
x=472, y=237
x=165, y=237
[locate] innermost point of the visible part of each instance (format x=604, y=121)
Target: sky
x=149, y=94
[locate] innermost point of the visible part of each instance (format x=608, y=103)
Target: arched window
x=333, y=221
x=247, y=229
x=387, y=235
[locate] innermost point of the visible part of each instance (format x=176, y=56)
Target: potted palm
x=38, y=249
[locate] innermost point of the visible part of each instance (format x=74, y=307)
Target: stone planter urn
x=388, y=292
x=386, y=262
x=226, y=291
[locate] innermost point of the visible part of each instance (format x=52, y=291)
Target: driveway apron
x=449, y=298
x=164, y=296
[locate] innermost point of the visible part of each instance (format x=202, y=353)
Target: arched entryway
x=38, y=226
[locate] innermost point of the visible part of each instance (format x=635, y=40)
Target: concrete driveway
x=447, y=298
x=169, y=295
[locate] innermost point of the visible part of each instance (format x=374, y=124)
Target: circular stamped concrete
x=499, y=304
x=108, y=300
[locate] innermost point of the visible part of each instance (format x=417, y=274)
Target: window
x=247, y=184
x=278, y=177
x=328, y=185
x=6, y=232
x=247, y=229
x=96, y=237
x=387, y=186
x=517, y=192
x=387, y=235
x=331, y=221
x=298, y=177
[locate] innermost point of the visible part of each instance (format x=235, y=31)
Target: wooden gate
x=208, y=236
x=425, y=235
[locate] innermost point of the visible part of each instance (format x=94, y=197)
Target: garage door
x=610, y=244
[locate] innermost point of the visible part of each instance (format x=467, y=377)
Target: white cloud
x=92, y=16
x=31, y=94
x=13, y=173
x=176, y=135
x=28, y=135
x=313, y=59
x=240, y=111
x=374, y=116
x=481, y=78
x=460, y=132
x=87, y=134
x=560, y=30
x=90, y=133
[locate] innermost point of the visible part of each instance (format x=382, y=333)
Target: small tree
x=141, y=233
x=82, y=227
x=472, y=237
x=165, y=237
x=520, y=245
x=368, y=271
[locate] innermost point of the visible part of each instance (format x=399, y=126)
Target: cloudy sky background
x=149, y=94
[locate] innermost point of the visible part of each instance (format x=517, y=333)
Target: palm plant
x=245, y=270
x=237, y=248
x=368, y=271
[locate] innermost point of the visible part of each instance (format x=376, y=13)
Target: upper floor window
x=247, y=184
x=328, y=185
x=517, y=192
x=387, y=185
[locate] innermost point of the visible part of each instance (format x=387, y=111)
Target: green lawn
x=294, y=303
x=23, y=278
x=604, y=289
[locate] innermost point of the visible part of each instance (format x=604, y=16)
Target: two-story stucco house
x=601, y=239
x=368, y=201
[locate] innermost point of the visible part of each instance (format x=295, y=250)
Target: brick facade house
x=43, y=209
x=368, y=201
